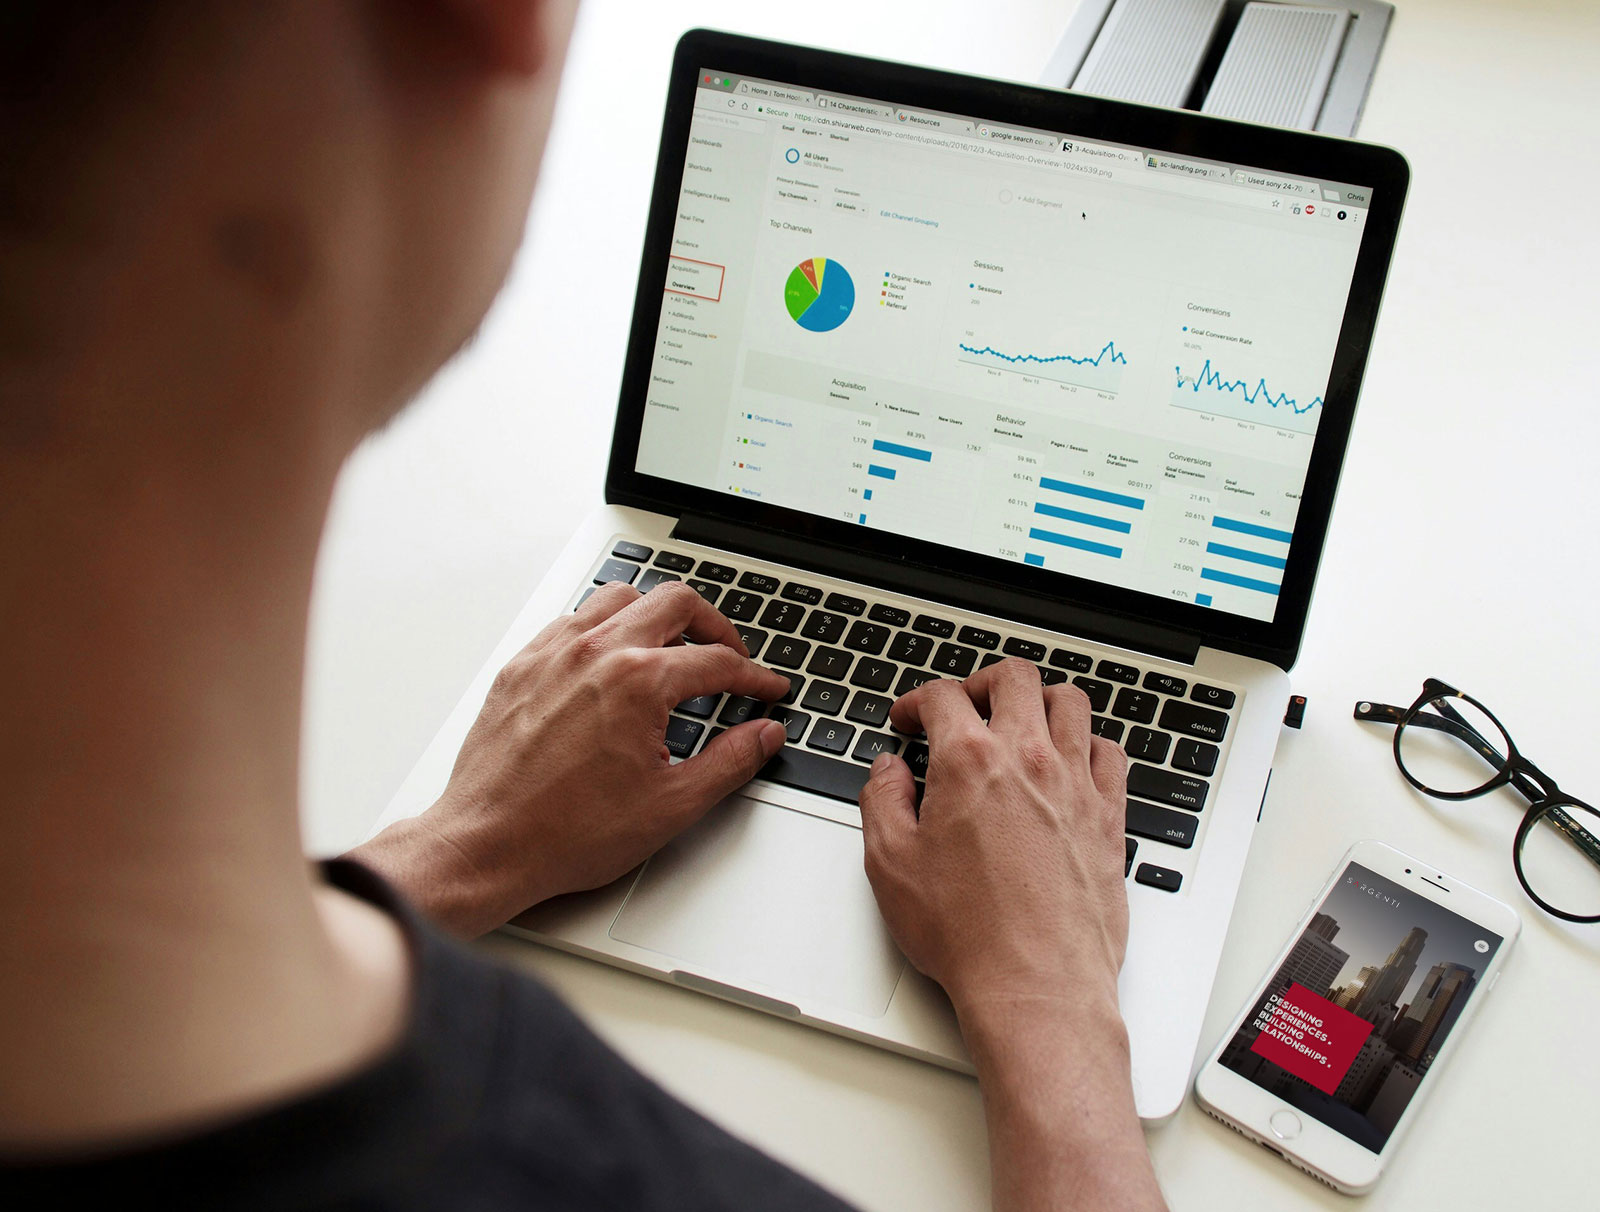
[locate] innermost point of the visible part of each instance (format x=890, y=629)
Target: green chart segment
x=819, y=294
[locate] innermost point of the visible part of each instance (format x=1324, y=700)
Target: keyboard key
x=869, y=709
x=794, y=722
x=826, y=697
x=830, y=736
x=1026, y=649
x=813, y=772
x=700, y=707
x=990, y=658
x=682, y=735
x=1052, y=677
x=1074, y=662
x=953, y=661
x=874, y=673
x=1202, y=722
x=872, y=744
x=651, y=577
x=795, y=682
x=626, y=550
x=891, y=615
x=845, y=604
x=1162, y=824
x=716, y=572
x=1115, y=671
x=616, y=570
x=782, y=616
x=673, y=561
x=910, y=679
x=830, y=663
x=917, y=758
x=1110, y=729
x=706, y=590
x=740, y=708
x=1148, y=745
x=1136, y=705
x=912, y=649
x=1165, y=683
x=741, y=607
x=753, y=638
x=1196, y=757
x=979, y=638
x=1166, y=787
x=820, y=625
x=1158, y=877
x=1133, y=848
x=788, y=652
x=867, y=637
x=584, y=596
x=1212, y=696
x=758, y=582
x=1099, y=693
x=928, y=625
x=797, y=592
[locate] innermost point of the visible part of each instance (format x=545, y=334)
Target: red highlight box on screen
x=1309, y=1036
x=697, y=279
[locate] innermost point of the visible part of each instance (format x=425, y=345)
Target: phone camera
x=1408, y=870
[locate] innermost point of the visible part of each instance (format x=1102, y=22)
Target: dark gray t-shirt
x=497, y=1098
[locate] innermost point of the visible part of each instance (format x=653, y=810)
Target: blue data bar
x=1066, y=540
x=1202, y=599
x=1088, y=519
x=886, y=472
x=1260, y=532
x=863, y=519
x=905, y=452
x=1036, y=560
x=1228, y=578
x=1094, y=494
x=1240, y=553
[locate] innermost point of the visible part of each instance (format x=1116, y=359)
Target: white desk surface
x=1462, y=547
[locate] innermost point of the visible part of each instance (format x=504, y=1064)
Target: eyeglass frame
x=1545, y=798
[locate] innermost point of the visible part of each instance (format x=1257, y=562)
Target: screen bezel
x=1381, y=169
x=1348, y=1165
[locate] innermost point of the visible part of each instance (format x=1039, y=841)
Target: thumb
x=729, y=762
x=888, y=804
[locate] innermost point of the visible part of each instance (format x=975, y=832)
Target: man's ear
x=506, y=35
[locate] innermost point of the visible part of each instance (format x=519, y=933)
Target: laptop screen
x=1092, y=358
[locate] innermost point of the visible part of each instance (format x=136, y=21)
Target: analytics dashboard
x=1094, y=359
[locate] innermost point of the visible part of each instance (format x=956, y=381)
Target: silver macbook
x=927, y=371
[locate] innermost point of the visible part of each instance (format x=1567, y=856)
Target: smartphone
x=1327, y=1063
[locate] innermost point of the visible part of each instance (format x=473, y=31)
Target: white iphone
x=1326, y=1064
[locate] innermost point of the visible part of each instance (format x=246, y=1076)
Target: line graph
x=1210, y=390
x=1099, y=372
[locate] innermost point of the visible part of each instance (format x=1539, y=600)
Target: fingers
x=1108, y=767
x=712, y=669
x=726, y=764
x=936, y=708
x=888, y=808
x=667, y=613
x=1011, y=694
x=1067, y=709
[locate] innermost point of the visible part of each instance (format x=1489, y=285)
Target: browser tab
x=1282, y=185
x=772, y=92
x=1186, y=168
x=862, y=109
x=1101, y=152
x=912, y=117
x=1027, y=138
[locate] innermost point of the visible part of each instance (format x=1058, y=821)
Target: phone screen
x=1348, y=1026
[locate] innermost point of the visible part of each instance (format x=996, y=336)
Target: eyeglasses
x=1450, y=746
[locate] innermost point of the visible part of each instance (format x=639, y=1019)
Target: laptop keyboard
x=849, y=655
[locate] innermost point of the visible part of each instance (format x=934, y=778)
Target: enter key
x=1167, y=787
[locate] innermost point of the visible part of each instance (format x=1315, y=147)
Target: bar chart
x=1082, y=517
x=1246, y=567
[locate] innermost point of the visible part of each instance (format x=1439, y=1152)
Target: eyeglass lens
x=1557, y=870
x=1451, y=745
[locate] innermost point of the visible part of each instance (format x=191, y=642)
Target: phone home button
x=1284, y=1125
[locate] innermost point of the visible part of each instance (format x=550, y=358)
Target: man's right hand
x=1010, y=882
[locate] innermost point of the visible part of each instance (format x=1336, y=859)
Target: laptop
x=928, y=371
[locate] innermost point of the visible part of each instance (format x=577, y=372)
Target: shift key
x=1162, y=824
x=1167, y=787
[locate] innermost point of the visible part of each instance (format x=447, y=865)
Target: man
x=234, y=238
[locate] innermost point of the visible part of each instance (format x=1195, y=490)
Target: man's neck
x=169, y=954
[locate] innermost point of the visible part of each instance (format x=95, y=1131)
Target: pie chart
x=819, y=294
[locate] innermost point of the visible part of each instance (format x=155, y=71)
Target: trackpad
x=765, y=894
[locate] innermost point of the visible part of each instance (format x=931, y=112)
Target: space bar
x=796, y=768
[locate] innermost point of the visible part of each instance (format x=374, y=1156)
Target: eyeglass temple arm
x=1449, y=721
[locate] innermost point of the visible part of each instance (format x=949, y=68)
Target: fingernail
x=881, y=764
x=773, y=735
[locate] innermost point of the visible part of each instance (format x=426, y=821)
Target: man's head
x=316, y=199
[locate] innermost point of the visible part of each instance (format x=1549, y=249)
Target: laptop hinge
x=968, y=593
